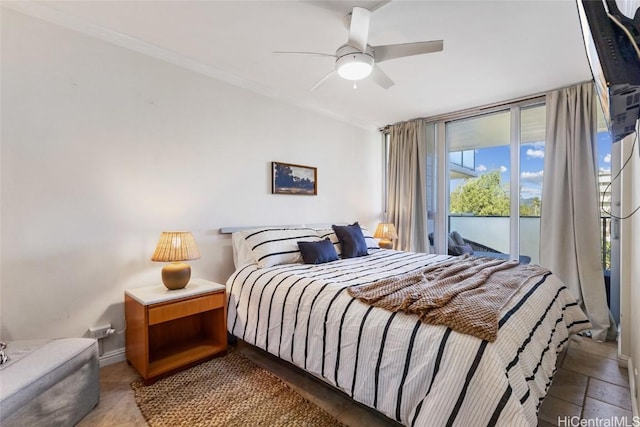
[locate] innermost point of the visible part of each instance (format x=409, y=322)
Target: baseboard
x=632, y=387
x=112, y=357
x=623, y=361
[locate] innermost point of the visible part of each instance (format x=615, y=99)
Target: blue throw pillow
x=351, y=240
x=318, y=252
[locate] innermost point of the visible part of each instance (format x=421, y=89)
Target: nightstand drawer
x=176, y=310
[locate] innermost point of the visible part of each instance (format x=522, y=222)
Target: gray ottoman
x=49, y=382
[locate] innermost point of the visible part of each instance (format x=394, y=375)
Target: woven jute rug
x=226, y=391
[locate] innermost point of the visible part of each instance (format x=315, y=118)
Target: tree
x=530, y=207
x=481, y=196
x=284, y=176
x=536, y=204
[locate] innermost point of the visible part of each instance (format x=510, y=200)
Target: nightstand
x=172, y=329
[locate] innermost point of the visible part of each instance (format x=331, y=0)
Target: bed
x=415, y=373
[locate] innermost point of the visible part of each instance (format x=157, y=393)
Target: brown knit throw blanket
x=465, y=294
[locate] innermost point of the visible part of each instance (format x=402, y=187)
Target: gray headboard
x=229, y=230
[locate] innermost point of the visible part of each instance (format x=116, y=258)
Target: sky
x=531, y=163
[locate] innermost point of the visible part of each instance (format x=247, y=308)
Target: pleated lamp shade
x=386, y=232
x=173, y=247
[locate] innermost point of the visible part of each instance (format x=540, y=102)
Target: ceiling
x=493, y=50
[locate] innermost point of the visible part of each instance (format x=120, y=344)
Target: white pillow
x=372, y=242
x=328, y=233
x=242, y=254
x=274, y=246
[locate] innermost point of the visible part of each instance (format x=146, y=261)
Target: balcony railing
x=493, y=231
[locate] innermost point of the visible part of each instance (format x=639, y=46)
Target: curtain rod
x=488, y=107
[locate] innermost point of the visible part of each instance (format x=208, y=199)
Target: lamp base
x=176, y=275
x=385, y=244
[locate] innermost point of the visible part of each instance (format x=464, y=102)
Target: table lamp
x=174, y=247
x=386, y=232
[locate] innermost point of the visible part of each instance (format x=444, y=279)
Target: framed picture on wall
x=287, y=178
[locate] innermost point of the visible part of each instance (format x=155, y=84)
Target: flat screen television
x=611, y=40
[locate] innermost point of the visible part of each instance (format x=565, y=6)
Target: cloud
x=503, y=169
x=605, y=170
x=481, y=168
x=607, y=158
x=539, y=145
x=535, y=154
x=530, y=192
x=532, y=177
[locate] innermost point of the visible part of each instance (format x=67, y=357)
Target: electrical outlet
x=101, y=331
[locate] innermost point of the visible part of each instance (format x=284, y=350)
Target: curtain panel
x=570, y=217
x=407, y=185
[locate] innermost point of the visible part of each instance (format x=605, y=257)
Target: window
x=494, y=178
x=479, y=203
x=604, y=151
x=464, y=159
x=532, y=152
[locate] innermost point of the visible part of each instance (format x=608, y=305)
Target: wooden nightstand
x=169, y=330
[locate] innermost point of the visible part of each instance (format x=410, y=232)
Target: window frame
x=443, y=170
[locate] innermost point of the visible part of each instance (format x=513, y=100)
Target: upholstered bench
x=49, y=382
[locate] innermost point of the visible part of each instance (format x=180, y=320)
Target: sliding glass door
x=494, y=179
x=479, y=165
x=485, y=174
x=532, y=152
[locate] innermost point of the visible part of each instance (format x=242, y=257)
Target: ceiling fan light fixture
x=354, y=70
x=353, y=64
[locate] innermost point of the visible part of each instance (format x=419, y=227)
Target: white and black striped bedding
x=417, y=374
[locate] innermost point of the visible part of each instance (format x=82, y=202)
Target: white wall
x=103, y=148
x=634, y=254
x=629, y=345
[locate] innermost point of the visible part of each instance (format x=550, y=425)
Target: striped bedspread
x=417, y=374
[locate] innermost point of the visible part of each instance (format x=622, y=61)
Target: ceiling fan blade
x=323, y=80
x=381, y=78
x=379, y=5
x=359, y=28
x=392, y=51
x=342, y=8
x=304, y=53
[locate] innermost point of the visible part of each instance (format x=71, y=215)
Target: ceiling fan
x=356, y=60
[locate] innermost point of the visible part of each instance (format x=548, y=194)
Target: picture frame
x=288, y=178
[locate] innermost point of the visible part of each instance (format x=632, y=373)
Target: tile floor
x=588, y=384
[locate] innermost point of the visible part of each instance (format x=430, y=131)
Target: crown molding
x=41, y=11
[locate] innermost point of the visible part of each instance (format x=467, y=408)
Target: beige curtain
x=570, y=218
x=407, y=192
